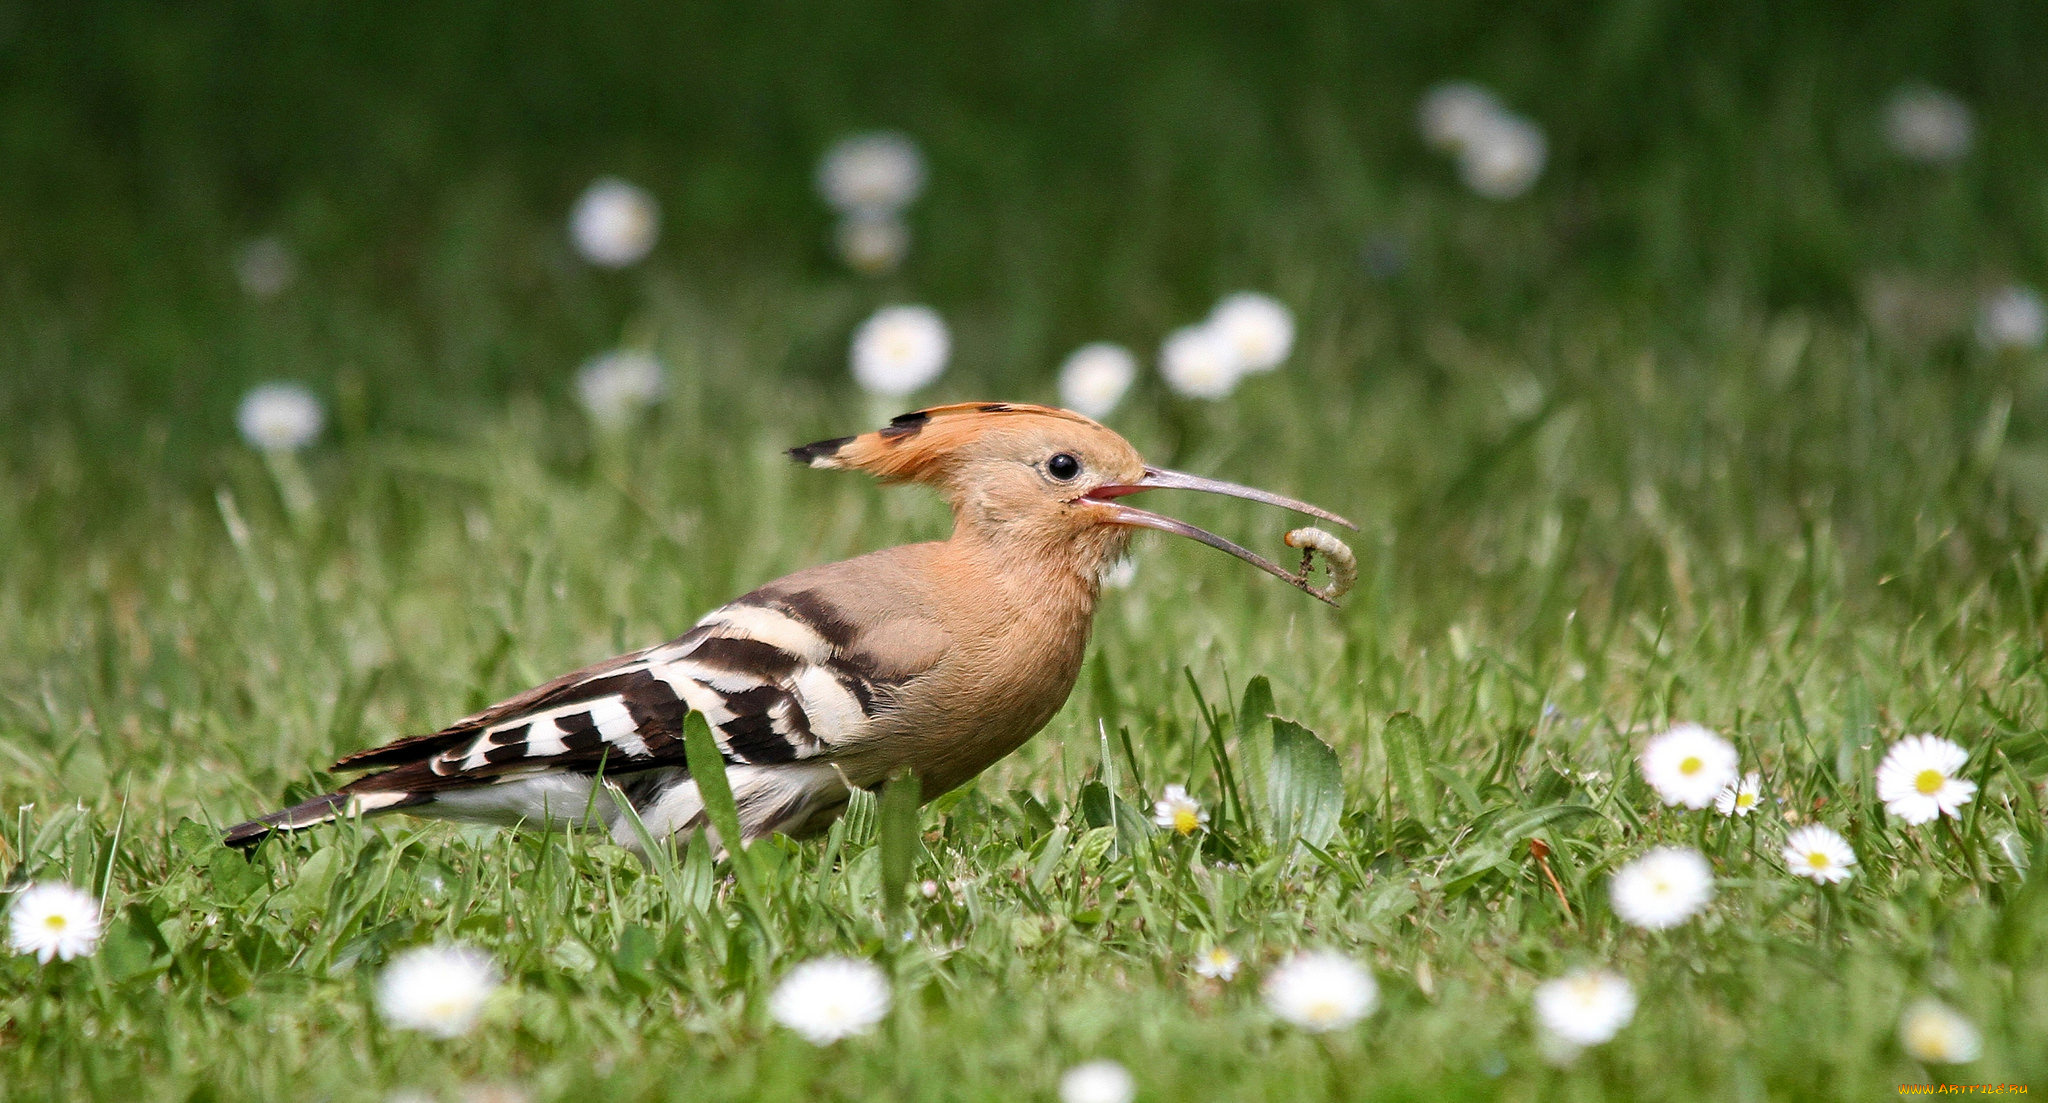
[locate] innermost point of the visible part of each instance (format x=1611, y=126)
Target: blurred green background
x=1098, y=170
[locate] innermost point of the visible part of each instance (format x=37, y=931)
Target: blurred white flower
x=1259, y=327
x=900, y=349
x=1818, y=852
x=1689, y=765
x=280, y=417
x=614, y=223
x=1119, y=574
x=1451, y=113
x=872, y=243
x=1503, y=158
x=438, y=990
x=1178, y=812
x=53, y=921
x=1320, y=991
x=1917, y=780
x=830, y=998
x=618, y=385
x=265, y=267
x=1740, y=798
x=1586, y=1006
x=879, y=172
x=1936, y=1033
x=1217, y=963
x=1663, y=888
x=2012, y=318
x=1928, y=124
x=1198, y=362
x=1095, y=377
x=1098, y=1082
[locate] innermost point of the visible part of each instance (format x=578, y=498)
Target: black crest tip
x=810, y=454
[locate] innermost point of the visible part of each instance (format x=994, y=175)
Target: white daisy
x=53, y=921
x=1503, y=158
x=1452, y=112
x=280, y=417
x=438, y=990
x=1095, y=377
x=1936, y=1033
x=1740, y=798
x=879, y=172
x=1098, y=1082
x=2012, y=318
x=1928, y=124
x=1663, y=888
x=614, y=223
x=1320, y=991
x=1178, y=812
x=872, y=243
x=900, y=349
x=617, y=385
x=830, y=998
x=1917, y=779
x=1818, y=852
x=265, y=267
x=1198, y=362
x=1586, y=1006
x=1259, y=327
x=1689, y=765
x=1217, y=963
x=1118, y=574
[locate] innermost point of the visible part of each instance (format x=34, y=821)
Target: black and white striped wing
x=778, y=675
x=767, y=675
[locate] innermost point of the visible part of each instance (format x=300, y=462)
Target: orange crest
x=916, y=446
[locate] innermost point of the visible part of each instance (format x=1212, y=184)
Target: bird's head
x=1039, y=480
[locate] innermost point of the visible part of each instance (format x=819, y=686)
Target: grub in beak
x=1161, y=479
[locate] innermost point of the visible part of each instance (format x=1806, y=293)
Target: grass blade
x=707, y=769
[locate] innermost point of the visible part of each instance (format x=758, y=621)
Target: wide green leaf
x=1305, y=787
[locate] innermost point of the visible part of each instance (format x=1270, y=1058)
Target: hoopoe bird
x=939, y=657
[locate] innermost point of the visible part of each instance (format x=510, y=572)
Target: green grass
x=1625, y=452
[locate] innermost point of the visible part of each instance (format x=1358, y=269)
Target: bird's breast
x=990, y=696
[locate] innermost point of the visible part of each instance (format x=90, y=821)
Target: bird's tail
x=325, y=808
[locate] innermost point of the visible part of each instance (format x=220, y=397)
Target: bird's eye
x=1063, y=466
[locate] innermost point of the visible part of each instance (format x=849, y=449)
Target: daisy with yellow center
x=1585, y=1007
x=900, y=349
x=54, y=921
x=1216, y=963
x=438, y=990
x=1178, y=812
x=1819, y=853
x=1741, y=798
x=1936, y=1033
x=1917, y=779
x=1321, y=991
x=1663, y=888
x=1688, y=765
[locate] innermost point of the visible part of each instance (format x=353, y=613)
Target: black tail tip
x=319, y=810
x=245, y=836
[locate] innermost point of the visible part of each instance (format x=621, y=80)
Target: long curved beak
x=1158, y=478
